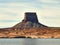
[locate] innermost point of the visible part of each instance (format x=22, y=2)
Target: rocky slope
x=30, y=21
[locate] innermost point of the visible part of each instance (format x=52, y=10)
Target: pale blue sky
x=12, y=11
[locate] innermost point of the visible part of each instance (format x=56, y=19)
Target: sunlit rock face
x=30, y=21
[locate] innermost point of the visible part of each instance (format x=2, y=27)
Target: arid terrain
x=30, y=27
x=31, y=33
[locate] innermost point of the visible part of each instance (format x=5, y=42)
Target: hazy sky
x=12, y=11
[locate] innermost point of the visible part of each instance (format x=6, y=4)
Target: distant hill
x=30, y=21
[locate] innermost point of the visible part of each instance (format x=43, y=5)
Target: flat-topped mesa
x=30, y=21
x=30, y=16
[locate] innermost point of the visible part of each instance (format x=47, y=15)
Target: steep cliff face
x=32, y=17
x=30, y=21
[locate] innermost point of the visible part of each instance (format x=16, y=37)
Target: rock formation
x=32, y=17
x=30, y=27
x=30, y=21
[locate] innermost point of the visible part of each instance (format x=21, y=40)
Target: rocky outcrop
x=32, y=17
x=30, y=21
x=30, y=27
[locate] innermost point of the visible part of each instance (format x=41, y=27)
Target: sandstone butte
x=30, y=27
